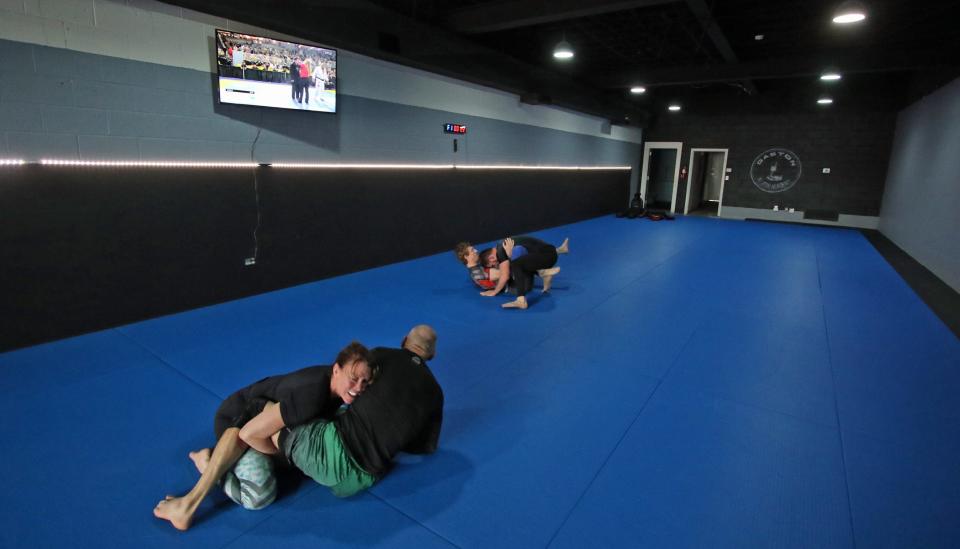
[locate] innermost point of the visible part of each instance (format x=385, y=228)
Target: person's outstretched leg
x=179, y=510
x=565, y=247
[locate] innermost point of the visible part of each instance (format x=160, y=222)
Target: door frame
x=723, y=178
x=647, y=149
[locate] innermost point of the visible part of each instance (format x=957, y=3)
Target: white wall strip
x=300, y=165
x=146, y=164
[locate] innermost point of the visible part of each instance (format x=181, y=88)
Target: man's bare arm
x=502, y=281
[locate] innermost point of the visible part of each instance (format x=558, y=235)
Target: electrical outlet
x=249, y=261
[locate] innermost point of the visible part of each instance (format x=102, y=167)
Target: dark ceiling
x=700, y=53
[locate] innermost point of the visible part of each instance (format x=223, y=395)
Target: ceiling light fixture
x=824, y=101
x=674, y=108
x=758, y=37
x=849, y=12
x=563, y=50
x=638, y=89
x=830, y=76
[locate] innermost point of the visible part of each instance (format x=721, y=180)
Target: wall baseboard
x=843, y=220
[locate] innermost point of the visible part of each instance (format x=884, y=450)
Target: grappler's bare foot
x=548, y=272
x=547, y=276
x=565, y=247
x=176, y=511
x=200, y=458
x=519, y=303
x=547, y=281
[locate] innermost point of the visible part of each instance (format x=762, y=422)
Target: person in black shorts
x=486, y=270
x=248, y=418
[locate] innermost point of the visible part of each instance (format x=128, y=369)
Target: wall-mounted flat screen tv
x=254, y=70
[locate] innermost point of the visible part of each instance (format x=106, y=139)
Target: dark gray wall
x=90, y=248
x=921, y=203
x=855, y=146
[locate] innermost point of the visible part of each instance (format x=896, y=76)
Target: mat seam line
x=265, y=519
x=165, y=363
x=738, y=402
x=622, y=436
x=415, y=521
x=611, y=296
x=836, y=405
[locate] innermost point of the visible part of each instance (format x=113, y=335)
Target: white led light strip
x=364, y=166
x=147, y=164
x=11, y=162
x=469, y=167
x=441, y=167
x=299, y=165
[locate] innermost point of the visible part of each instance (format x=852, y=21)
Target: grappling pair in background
x=511, y=266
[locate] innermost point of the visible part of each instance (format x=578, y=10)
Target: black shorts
x=236, y=411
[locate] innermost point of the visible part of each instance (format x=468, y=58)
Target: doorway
x=658, y=178
x=708, y=173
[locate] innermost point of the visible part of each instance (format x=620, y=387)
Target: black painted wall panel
x=90, y=248
x=854, y=145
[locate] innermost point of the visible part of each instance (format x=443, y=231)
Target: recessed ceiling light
x=674, y=108
x=638, y=89
x=828, y=76
x=563, y=50
x=849, y=12
x=824, y=101
x=758, y=37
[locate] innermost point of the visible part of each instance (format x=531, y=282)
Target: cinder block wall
x=112, y=79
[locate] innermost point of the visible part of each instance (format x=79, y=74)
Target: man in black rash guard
x=248, y=418
x=519, y=259
x=401, y=412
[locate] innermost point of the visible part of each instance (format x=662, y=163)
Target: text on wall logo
x=775, y=170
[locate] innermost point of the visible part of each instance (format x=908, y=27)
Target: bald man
x=401, y=411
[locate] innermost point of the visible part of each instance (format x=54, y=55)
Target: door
x=708, y=173
x=658, y=178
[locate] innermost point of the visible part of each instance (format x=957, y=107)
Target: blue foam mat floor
x=696, y=383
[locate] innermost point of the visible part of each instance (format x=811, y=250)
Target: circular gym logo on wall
x=775, y=170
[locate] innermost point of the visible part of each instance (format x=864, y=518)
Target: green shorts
x=316, y=449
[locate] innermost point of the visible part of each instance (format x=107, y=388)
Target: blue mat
x=696, y=383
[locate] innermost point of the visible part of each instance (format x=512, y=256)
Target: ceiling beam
x=791, y=67
x=515, y=14
x=709, y=24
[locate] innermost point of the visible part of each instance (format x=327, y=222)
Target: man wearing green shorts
x=401, y=411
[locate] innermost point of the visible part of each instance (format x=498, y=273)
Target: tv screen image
x=260, y=71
